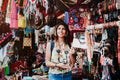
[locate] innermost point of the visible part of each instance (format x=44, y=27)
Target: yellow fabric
x=21, y=21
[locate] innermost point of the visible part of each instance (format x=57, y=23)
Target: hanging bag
x=21, y=21
x=27, y=41
x=21, y=17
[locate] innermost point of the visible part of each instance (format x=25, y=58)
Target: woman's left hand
x=63, y=66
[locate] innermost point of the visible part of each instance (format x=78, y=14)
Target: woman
x=61, y=59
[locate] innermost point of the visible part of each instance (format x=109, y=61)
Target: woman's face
x=61, y=32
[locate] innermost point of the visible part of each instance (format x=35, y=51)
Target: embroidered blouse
x=60, y=56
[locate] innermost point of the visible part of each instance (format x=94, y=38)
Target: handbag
x=21, y=21
x=27, y=41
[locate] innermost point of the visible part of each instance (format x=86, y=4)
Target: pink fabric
x=102, y=60
x=13, y=16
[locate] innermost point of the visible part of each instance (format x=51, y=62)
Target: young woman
x=61, y=59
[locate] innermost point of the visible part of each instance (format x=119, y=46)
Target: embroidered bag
x=27, y=41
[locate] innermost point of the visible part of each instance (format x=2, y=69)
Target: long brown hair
x=67, y=37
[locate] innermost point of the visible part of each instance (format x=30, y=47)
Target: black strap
x=52, y=46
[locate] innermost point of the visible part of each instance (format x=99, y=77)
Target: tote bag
x=27, y=41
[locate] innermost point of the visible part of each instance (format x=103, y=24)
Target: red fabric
x=2, y=74
x=15, y=66
x=4, y=6
x=102, y=60
x=119, y=46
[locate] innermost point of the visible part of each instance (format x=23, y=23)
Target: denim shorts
x=61, y=76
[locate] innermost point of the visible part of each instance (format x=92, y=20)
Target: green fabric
x=7, y=70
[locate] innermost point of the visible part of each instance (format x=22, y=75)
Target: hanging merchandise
x=51, y=4
x=28, y=30
x=37, y=37
x=1, y=1
x=21, y=21
x=66, y=18
x=7, y=20
x=118, y=4
x=31, y=20
x=35, y=12
x=30, y=13
x=27, y=41
x=21, y=3
x=10, y=48
x=4, y=5
x=5, y=64
x=47, y=28
x=2, y=17
x=13, y=16
x=78, y=19
x=39, y=19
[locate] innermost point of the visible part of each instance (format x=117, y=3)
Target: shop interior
x=27, y=25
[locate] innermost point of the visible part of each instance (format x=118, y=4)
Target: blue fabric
x=66, y=18
x=52, y=46
x=65, y=76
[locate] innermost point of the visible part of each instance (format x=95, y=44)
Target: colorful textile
x=4, y=5
x=7, y=70
x=14, y=17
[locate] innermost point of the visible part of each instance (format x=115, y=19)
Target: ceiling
x=66, y=5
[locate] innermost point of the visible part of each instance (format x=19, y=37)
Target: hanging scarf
x=13, y=16
x=7, y=20
x=4, y=5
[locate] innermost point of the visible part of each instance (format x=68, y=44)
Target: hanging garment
x=47, y=29
x=7, y=20
x=10, y=48
x=104, y=35
x=39, y=19
x=21, y=3
x=13, y=16
x=5, y=64
x=40, y=48
x=4, y=5
x=21, y=21
x=1, y=1
x=2, y=17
